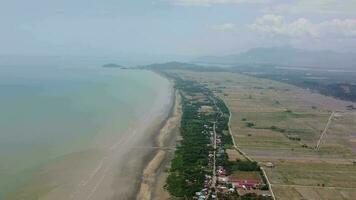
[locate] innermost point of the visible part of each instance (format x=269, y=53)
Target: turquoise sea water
x=48, y=112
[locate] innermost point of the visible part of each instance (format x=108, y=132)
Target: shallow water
x=48, y=112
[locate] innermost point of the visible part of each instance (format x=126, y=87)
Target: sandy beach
x=154, y=174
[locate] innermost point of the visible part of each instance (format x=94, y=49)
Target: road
x=325, y=130
x=214, y=159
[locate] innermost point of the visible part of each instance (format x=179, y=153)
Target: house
x=231, y=190
x=222, y=189
x=223, y=179
x=221, y=171
x=245, y=184
x=201, y=197
x=269, y=164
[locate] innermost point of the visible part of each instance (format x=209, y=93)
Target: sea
x=47, y=112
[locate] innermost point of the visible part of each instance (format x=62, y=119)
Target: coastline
x=154, y=173
x=158, y=191
x=132, y=155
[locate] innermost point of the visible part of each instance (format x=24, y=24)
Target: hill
x=286, y=56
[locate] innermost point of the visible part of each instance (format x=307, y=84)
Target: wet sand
x=154, y=174
x=118, y=175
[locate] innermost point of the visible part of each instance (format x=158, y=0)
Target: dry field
x=247, y=175
x=279, y=123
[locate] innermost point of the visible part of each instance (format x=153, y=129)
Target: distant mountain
x=112, y=65
x=285, y=56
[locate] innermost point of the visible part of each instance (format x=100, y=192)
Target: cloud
x=214, y=2
x=227, y=27
x=275, y=25
x=315, y=6
x=339, y=28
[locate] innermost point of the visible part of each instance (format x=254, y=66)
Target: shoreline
x=153, y=174
x=127, y=178
x=158, y=190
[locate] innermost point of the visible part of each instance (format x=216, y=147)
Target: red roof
x=240, y=182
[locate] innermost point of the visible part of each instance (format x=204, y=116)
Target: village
x=207, y=166
x=221, y=184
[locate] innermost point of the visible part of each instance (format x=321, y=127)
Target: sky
x=173, y=27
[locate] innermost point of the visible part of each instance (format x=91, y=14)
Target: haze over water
x=48, y=112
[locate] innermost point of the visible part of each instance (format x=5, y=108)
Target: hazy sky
x=173, y=27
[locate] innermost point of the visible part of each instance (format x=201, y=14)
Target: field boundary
x=314, y=186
